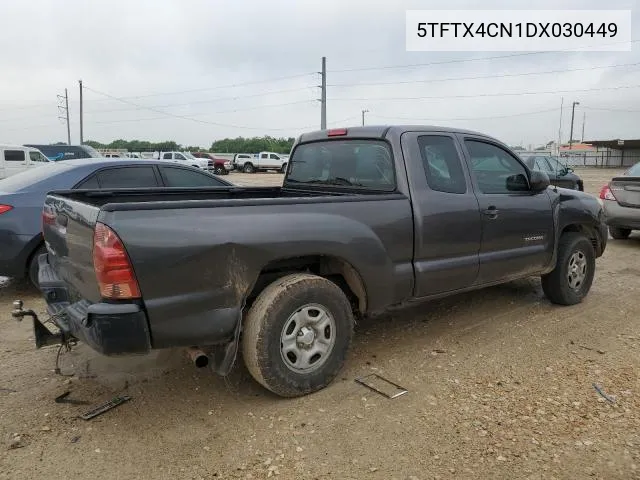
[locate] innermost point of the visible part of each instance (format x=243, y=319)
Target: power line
x=483, y=76
x=478, y=95
x=468, y=118
x=212, y=100
x=611, y=110
x=465, y=60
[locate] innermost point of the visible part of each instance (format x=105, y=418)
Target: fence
x=604, y=159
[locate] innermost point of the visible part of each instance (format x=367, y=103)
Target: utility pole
x=573, y=111
x=65, y=109
x=560, y=126
x=323, y=95
x=81, y=121
x=363, y=112
x=584, y=118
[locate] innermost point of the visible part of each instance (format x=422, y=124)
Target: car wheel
x=217, y=171
x=620, y=233
x=297, y=334
x=571, y=279
x=33, y=265
x=283, y=169
x=248, y=168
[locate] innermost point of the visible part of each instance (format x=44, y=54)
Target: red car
x=220, y=166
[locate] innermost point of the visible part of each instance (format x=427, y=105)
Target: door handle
x=491, y=212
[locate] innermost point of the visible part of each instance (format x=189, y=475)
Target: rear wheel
x=248, y=168
x=620, y=233
x=297, y=334
x=571, y=279
x=33, y=265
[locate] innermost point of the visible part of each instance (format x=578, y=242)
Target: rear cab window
x=360, y=164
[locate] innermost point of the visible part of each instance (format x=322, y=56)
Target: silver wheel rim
x=307, y=338
x=577, y=269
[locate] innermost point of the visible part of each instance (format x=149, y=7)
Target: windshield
x=23, y=180
x=633, y=171
x=362, y=164
x=189, y=155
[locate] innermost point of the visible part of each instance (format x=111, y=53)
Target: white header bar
x=518, y=30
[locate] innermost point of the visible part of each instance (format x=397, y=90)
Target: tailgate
x=67, y=227
x=626, y=190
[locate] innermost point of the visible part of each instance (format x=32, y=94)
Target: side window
x=179, y=156
x=37, y=157
x=14, y=155
x=166, y=156
x=181, y=177
x=264, y=155
x=274, y=157
x=442, y=164
x=491, y=166
x=128, y=177
x=89, y=183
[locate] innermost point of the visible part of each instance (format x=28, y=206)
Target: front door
x=517, y=226
x=447, y=221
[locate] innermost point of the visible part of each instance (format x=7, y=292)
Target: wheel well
x=33, y=252
x=335, y=269
x=587, y=231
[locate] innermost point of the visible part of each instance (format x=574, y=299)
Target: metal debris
x=368, y=380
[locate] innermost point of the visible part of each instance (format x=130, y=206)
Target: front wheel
x=297, y=334
x=283, y=169
x=571, y=279
x=619, y=233
x=217, y=170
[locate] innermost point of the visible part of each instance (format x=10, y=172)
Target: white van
x=18, y=158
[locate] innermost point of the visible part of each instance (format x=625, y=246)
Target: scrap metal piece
x=106, y=406
x=369, y=385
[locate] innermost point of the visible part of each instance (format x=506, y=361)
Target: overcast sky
x=179, y=57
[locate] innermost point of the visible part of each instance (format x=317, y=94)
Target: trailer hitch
x=43, y=336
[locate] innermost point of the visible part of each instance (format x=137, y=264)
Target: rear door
x=447, y=221
x=517, y=227
x=626, y=190
x=15, y=161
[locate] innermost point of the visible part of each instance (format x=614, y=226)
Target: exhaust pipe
x=198, y=357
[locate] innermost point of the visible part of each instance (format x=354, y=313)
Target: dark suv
x=559, y=174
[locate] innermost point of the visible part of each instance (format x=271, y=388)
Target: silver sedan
x=621, y=201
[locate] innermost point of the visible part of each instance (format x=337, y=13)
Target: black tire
x=217, y=170
x=283, y=169
x=248, y=168
x=33, y=265
x=619, y=233
x=556, y=285
x=265, y=323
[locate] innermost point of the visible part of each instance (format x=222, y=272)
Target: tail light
x=607, y=194
x=112, y=266
x=5, y=208
x=335, y=132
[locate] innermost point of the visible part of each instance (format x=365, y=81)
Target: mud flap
x=224, y=356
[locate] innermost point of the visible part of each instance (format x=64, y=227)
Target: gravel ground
x=500, y=386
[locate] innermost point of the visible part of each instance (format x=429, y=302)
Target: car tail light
x=335, y=132
x=607, y=194
x=114, y=271
x=5, y=208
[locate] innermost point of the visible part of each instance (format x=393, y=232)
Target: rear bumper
x=108, y=328
x=619, y=216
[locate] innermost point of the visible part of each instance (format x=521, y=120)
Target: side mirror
x=539, y=181
x=518, y=183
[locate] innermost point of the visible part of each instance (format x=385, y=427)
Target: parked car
x=18, y=158
x=560, y=175
x=262, y=161
x=239, y=159
x=67, y=152
x=185, y=158
x=367, y=218
x=22, y=197
x=621, y=201
x=219, y=166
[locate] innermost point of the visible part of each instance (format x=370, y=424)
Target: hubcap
x=307, y=338
x=577, y=270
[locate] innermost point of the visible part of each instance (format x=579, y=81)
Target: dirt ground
x=501, y=385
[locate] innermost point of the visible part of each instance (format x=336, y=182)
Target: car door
x=263, y=161
x=517, y=226
x=447, y=221
x=275, y=161
x=15, y=161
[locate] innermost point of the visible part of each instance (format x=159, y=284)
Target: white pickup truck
x=261, y=162
x=185, y=158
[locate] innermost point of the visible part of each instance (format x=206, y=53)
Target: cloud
x=174, y=57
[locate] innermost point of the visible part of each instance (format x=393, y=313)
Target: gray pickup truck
x=367, y=218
